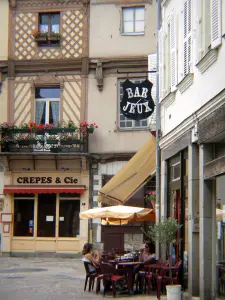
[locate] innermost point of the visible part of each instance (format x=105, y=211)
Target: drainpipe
x=158, y=125
x=91, y=194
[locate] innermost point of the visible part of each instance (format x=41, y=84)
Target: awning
x=15, y=189
x=131, y=177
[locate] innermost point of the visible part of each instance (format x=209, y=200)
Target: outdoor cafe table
x=129, y=266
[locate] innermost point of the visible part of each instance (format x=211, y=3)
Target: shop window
x=47, y=105
x=46, y=215
x=49, y=23
x=124, y=122
x=69, y=222
x=133, y=20
x=176, y=171
x=23, y=217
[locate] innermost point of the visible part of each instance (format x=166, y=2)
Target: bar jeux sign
x=137, y=103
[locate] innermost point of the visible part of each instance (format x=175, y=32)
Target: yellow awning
x=131, y=177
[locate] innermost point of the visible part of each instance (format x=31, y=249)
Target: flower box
x=61, y=130
x=70, y=142
x=40, y=39
x=27, y=142
x=53, y=38
x=16, y=130
x=52, y=142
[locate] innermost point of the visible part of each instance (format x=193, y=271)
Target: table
x=129, y=268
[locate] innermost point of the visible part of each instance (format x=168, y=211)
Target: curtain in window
x=53, y=112
x=40, y=112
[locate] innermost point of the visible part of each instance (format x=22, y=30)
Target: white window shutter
x=187, y=14
x=216, y=23
x=152, y=76
x=161, y=62
x=173, y=51
x=152, y=60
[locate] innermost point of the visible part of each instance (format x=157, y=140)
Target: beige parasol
x=119, y=215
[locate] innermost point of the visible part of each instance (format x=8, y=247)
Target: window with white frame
x=133, y=20
x=47, y=105
x=125, y=123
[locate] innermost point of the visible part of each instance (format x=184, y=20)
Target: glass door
x=46, y=222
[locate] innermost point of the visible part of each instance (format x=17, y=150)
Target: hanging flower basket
x=90, y=130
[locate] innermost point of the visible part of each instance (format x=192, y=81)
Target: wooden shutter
x=161, y=63
x=216, y=23
x=173, y=52
x=187, y=36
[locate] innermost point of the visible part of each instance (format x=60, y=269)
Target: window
x=69, y=221
x=124, y=122
x=49, y=23
x=133, y=20
x=23, y=216
x=176, y=171
x=47, y=105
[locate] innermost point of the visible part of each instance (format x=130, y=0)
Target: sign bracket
x=135, y=72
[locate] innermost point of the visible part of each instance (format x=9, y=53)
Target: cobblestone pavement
x=47, y=279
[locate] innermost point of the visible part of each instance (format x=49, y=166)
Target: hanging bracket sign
x=137, y=103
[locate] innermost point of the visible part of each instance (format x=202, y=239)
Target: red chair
x=111, y=278
x=167, y=275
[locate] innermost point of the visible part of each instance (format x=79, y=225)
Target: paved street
x=46, y=279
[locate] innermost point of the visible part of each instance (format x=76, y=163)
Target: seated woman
x=147, y=255
x=90, y=257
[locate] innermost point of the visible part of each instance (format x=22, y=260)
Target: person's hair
x=87, y=248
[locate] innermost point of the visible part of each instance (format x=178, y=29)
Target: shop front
x=41, y=212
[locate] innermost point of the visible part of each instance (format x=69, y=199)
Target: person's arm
x=91, y=257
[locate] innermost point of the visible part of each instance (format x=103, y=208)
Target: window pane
x=53, y=112
x=23, y=217
x=47, y=93
x=69, y=222
x=128, y=14
x=139, y=26
x=128, y=27
x=40, y=112
x=55, y=23
x=139, y=14
x=43, y=27
x=46, y=215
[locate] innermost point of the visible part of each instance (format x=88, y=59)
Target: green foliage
x=165, y=232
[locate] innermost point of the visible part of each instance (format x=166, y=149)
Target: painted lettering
x=126, y=107
x=130, y=93
x=144, y=93
x=136, y=94
x=43, y=180
x=20, y=179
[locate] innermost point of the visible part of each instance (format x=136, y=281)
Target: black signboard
x=137, y=103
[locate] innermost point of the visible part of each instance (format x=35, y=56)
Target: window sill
x=133, y=34
x=207, y=60
x=131, y=129
x=185, y=83
x=168, y=99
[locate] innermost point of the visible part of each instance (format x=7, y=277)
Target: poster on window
x=137, y=103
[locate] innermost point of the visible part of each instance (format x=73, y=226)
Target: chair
x=163, y=278
x=91, y=275
x=111, y=278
